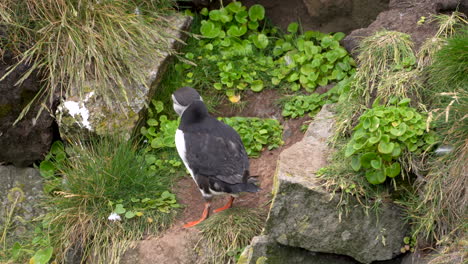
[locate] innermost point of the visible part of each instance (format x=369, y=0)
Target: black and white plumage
x=211, y=150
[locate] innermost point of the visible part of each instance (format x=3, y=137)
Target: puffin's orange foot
x=204, y=216
x=227, y=206
x=193, y=223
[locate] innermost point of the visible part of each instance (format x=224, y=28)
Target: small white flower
x=114, y=217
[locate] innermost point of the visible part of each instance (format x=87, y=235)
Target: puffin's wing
x=218, y=153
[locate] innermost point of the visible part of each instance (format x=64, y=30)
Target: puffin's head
x=183, y=98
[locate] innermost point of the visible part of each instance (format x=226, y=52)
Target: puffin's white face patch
x=179, y=109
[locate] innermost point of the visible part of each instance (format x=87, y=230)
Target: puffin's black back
x=214, y=150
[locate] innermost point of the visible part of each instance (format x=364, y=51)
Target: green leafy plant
x=298, y=105
x=382, y=135
x=257, y=133
x=160, y=131
x=136, y=207
x=410, y=244
x=310, y=59
x=233, y=43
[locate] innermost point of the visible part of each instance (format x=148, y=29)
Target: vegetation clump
x=75, y=44
x=226, y=234
x=101, y=195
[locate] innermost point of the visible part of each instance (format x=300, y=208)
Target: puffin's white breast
x=180, y=145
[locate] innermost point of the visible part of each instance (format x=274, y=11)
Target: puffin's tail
x=244, y=187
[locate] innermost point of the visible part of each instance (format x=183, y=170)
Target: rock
x=30, y=139
x=304, y=215
x=90, y=114
x=22, y=191
x=263, y=249
x=323, y=15
x=403, y=17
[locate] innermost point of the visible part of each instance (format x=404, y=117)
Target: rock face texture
x=305, y=216
x=403, y=16
x=30, y=138
x=90, y=114
x=323, y=15
x=21, y=190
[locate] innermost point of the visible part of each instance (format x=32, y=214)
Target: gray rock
x=21, y=191
x=263, y=249
x=30, y=139
x=304, y=215
x=78, y=115
x=403, y=16
x=323, y=15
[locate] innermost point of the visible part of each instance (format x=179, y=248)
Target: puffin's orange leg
x=203, y=217
x=227, y=206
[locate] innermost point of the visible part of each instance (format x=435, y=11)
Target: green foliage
x=257, y=133
x=160, y=131
x=78, y=43
x=232, y=43
x=238, y=52
x=449, y=71
x=310, y=60
x=382, y=135
x=298, y=105
x=99, y=177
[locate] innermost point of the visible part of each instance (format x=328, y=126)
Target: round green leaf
x=393, y=170
x=42, y=256
x=307, y=69
x=293, y=27
x=260, y=41
x=385, y=148
x=57, y=147
x=129, y=214
x=367, y=158
x=46, y=166
x=256, y=85
x=256, y=12
x=224, y=15
x=355, y=163
x=218, y=86
x=338, y=36
x=204, y=11
x=349, y=149
x=375, y=177
x=376, y=164
x=209, y=29
x=252, y=25
x=152, y=122
x=241, y=16
x=237, y=31
x=234, y=7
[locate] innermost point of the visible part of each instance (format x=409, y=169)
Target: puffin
x=212, y=152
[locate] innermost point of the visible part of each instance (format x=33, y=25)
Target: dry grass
x=379, y=54
x=78, y=44
x=225, y=234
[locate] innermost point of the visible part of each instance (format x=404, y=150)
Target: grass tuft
x=81, y=44
x=98, y=175
x=226, y=234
